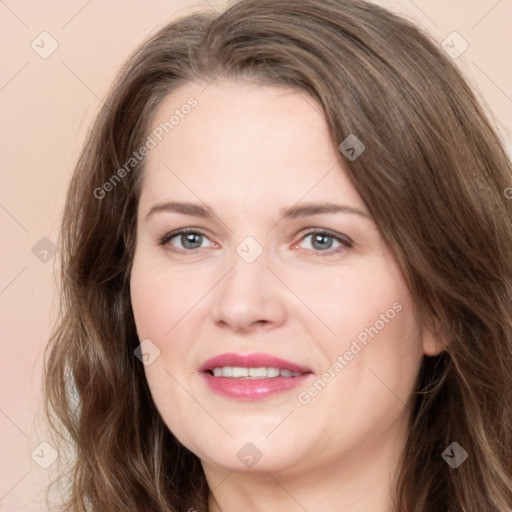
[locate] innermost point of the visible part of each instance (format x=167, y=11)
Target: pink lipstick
x=252, y=376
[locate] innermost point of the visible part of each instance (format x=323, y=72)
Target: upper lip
x=254, y=360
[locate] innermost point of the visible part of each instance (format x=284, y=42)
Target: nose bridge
x=248, y=294
x=248, y=268
x=250, y=250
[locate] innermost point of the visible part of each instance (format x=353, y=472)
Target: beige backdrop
x=58, y=58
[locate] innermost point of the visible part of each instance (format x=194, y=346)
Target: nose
x=249, y=297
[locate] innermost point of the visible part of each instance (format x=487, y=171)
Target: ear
x=433, y=342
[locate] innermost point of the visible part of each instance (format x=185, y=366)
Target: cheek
x=164, y=305
x=375, y=328
x=159, y=305
x=371, y=372
x=352, y=301
x=160, y=298
x=381, y=353
x=149, y=305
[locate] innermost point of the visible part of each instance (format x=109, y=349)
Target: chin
x=242, y=455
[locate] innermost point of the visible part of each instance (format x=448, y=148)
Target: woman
x=286, y=274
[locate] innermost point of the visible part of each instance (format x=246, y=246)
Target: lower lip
x=252, y=389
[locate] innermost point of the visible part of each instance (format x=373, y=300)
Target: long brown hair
x=433, y=176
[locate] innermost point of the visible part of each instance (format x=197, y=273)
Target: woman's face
x=282, y=271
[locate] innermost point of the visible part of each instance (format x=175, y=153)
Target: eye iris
x=325, y=241
x=191, y=240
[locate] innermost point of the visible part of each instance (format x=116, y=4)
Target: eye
x=326, y=242
x=322, y=242
x=185, y=240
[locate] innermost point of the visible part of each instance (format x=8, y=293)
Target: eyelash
x=345, y=241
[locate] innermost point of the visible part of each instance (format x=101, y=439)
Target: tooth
x=257, y=372
x=253, y=373
x=273, y=372
x=240, y=372
x=227, y=371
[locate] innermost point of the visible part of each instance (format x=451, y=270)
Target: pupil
x=191, y=241
x=324, y=241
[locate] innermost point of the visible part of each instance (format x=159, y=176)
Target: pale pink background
x=46, y=106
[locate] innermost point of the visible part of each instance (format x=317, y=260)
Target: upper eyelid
x=183, y=231
x=330, y=232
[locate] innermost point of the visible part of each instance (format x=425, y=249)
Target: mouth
x=240, y=372
x=252, y=376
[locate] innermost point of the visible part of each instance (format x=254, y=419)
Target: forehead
x=258, y=143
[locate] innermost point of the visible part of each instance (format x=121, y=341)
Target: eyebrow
x=296, y=211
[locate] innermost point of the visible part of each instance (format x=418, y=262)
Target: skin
x=248, y=151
